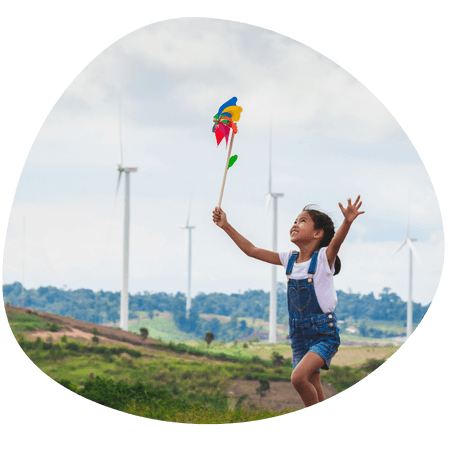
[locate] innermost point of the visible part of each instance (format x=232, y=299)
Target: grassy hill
x=183, y=382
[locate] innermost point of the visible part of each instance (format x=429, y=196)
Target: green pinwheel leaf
x=232, y=161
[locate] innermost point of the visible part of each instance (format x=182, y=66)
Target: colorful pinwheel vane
x=224, y=121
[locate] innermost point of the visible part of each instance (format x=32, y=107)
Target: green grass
x=189, y=373
x=21, y=323
x=198, y=382
x=191, y=379
x=142, y=400
x=161, y=328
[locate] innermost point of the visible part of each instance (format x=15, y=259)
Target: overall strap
x=290, y=264
x=313, y=263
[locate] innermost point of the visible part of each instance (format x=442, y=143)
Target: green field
x=182, y=382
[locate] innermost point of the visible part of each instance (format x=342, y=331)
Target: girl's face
x=303, y=229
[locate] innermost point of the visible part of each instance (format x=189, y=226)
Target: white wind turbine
x=409, y=241
x=126, y=227
x=188, y=295
x=273, y=291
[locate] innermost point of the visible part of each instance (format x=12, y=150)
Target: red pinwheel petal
x=219, y=135
x=224, y=130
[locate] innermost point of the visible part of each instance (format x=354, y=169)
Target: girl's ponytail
x=323, y=222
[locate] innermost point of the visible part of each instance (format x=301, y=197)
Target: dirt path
x=280, y=396
x=80, y=328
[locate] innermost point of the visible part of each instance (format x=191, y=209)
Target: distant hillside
x=103, y=307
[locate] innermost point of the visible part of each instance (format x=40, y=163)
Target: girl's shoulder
x=284, y=256
x=323, y=261
x=322, y=256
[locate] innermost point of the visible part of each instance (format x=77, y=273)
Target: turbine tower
x=409, y=241
x=273, y=291
x=23, y=264
x=126, y=228
x=188, y=295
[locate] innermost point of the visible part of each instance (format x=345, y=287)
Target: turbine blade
x=413, y=249
x=401, y=245
x=270, y=156
x=189, y=212
x=120, y=133
x=115, y=200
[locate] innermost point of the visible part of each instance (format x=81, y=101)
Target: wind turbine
x=409, y=242
x=273, y=291
x=188, y=296
x=23, y=264
x=126, y=227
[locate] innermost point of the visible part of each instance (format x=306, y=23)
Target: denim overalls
x=310, y=329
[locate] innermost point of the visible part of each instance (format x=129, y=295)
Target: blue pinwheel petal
x=226, y=114
x=230, y=102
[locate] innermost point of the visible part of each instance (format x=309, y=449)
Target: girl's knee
x=298, y=378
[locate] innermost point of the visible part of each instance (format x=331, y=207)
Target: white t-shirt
x=323, y=278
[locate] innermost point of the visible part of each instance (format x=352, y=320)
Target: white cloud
x=331, y=139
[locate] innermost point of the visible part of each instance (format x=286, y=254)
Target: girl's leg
x=301, y=378
x=315, y=381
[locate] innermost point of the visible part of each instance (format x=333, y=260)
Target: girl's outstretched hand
x=352, y=210
x=219, y=217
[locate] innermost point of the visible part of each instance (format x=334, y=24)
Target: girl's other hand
x=352, y=210
x=219, y=217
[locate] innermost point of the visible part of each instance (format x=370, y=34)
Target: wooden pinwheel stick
x=226, y=169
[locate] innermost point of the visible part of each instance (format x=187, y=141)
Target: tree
x=144, y=333
x=362, y=328
x=209, y=337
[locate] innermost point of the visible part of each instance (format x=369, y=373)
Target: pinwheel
x=224, y=121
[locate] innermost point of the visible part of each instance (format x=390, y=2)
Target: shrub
x=117, y=394
x=53, y=327
x=73, y=346
x=372, y=364
x=240, y=401
x=68, y=384
x=64, y=338
x=144, y=333
x=277, y=359
x=264, y=386
x=95, y=339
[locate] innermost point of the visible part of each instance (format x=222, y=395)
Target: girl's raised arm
x=350, y=214
x=220, y=219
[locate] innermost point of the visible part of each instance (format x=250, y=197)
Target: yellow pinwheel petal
x=235, y=112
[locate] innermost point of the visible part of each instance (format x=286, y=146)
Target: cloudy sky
x=331, y=139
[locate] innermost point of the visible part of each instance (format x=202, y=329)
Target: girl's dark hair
x=323, y=222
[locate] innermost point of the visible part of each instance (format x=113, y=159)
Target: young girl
x=311, y=295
